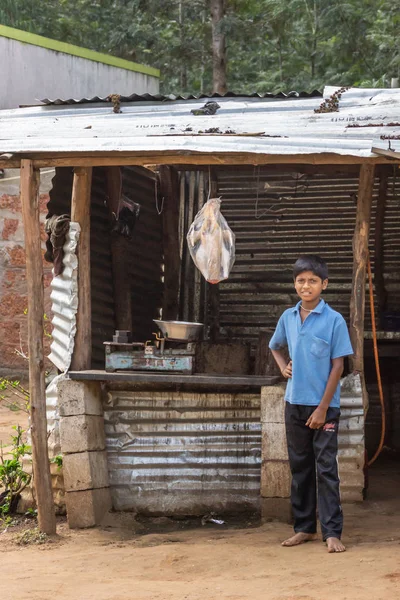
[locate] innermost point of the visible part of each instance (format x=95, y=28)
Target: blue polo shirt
x=312, y=345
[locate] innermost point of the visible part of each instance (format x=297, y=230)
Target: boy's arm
x=285, y=368
x=317, y=418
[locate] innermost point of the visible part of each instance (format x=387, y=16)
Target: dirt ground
x=162, y=559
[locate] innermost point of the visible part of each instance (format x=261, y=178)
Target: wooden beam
x=99, y=159
x=360, y=257
x=34, y=276
x=379, y=261
x=170, y=198
x=80, y=213
x=390, y=154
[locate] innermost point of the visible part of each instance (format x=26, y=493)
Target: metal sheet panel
x=262, y=125
x=351, y=453
x=64, y=303
x=276, y=217
x=183, y=453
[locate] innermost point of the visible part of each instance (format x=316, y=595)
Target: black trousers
x=313, y=463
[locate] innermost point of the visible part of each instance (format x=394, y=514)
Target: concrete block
x=87, y=508
x=273, y=445
x=273, y=403
x=276, y=509
x=276, y=479
x=86, y=470
x=82, y=433
x=79, y=398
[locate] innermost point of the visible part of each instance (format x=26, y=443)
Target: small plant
x=7, y=522
x=13, y=478
x=58, y=460
x=20, y=395
x=31, y=536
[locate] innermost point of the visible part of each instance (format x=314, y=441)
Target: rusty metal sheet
x=183, y=453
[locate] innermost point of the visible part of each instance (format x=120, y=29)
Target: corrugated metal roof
x=261, y=126
x=172, y=97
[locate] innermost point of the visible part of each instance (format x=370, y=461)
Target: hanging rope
x=377, y=366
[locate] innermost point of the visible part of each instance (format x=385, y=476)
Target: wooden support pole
x=381, y=293
x=30, y=178
x=360, y=257
x=80, y=213
x=169, y=192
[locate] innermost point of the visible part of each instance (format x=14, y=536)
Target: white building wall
x=30, y=73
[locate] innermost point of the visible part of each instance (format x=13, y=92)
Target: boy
x=317, y=339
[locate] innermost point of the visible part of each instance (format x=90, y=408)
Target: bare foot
x=300, y=538
x=335, y=545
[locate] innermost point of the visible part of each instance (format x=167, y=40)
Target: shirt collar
x=318, y=309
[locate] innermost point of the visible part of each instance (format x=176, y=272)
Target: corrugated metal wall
x=146, y=253
x=146, y=257
x=101, y=276
x=183, y=453
x=277, y=216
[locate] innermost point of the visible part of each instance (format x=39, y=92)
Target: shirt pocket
x=319, y=347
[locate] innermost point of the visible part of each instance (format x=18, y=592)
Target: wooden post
x=169, y=190
x=80, y=213
x=381, y=293
x=30, y=178
x=360, y=257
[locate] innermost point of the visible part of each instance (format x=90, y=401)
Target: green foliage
x=58, y=460
x=271, y=45
x=20, y=399
x=13, y=478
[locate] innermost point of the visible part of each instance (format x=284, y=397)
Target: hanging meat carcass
x=211, y=242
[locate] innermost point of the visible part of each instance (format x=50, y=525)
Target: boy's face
x=309, y=286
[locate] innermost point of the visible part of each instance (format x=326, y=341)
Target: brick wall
x=13, y=292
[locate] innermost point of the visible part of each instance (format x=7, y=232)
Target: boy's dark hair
x=311, y=262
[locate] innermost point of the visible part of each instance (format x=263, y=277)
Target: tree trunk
x=218, y=47
x=183, y=74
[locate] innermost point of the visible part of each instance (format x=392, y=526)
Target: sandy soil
x=163, y=559
x=205, y=563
